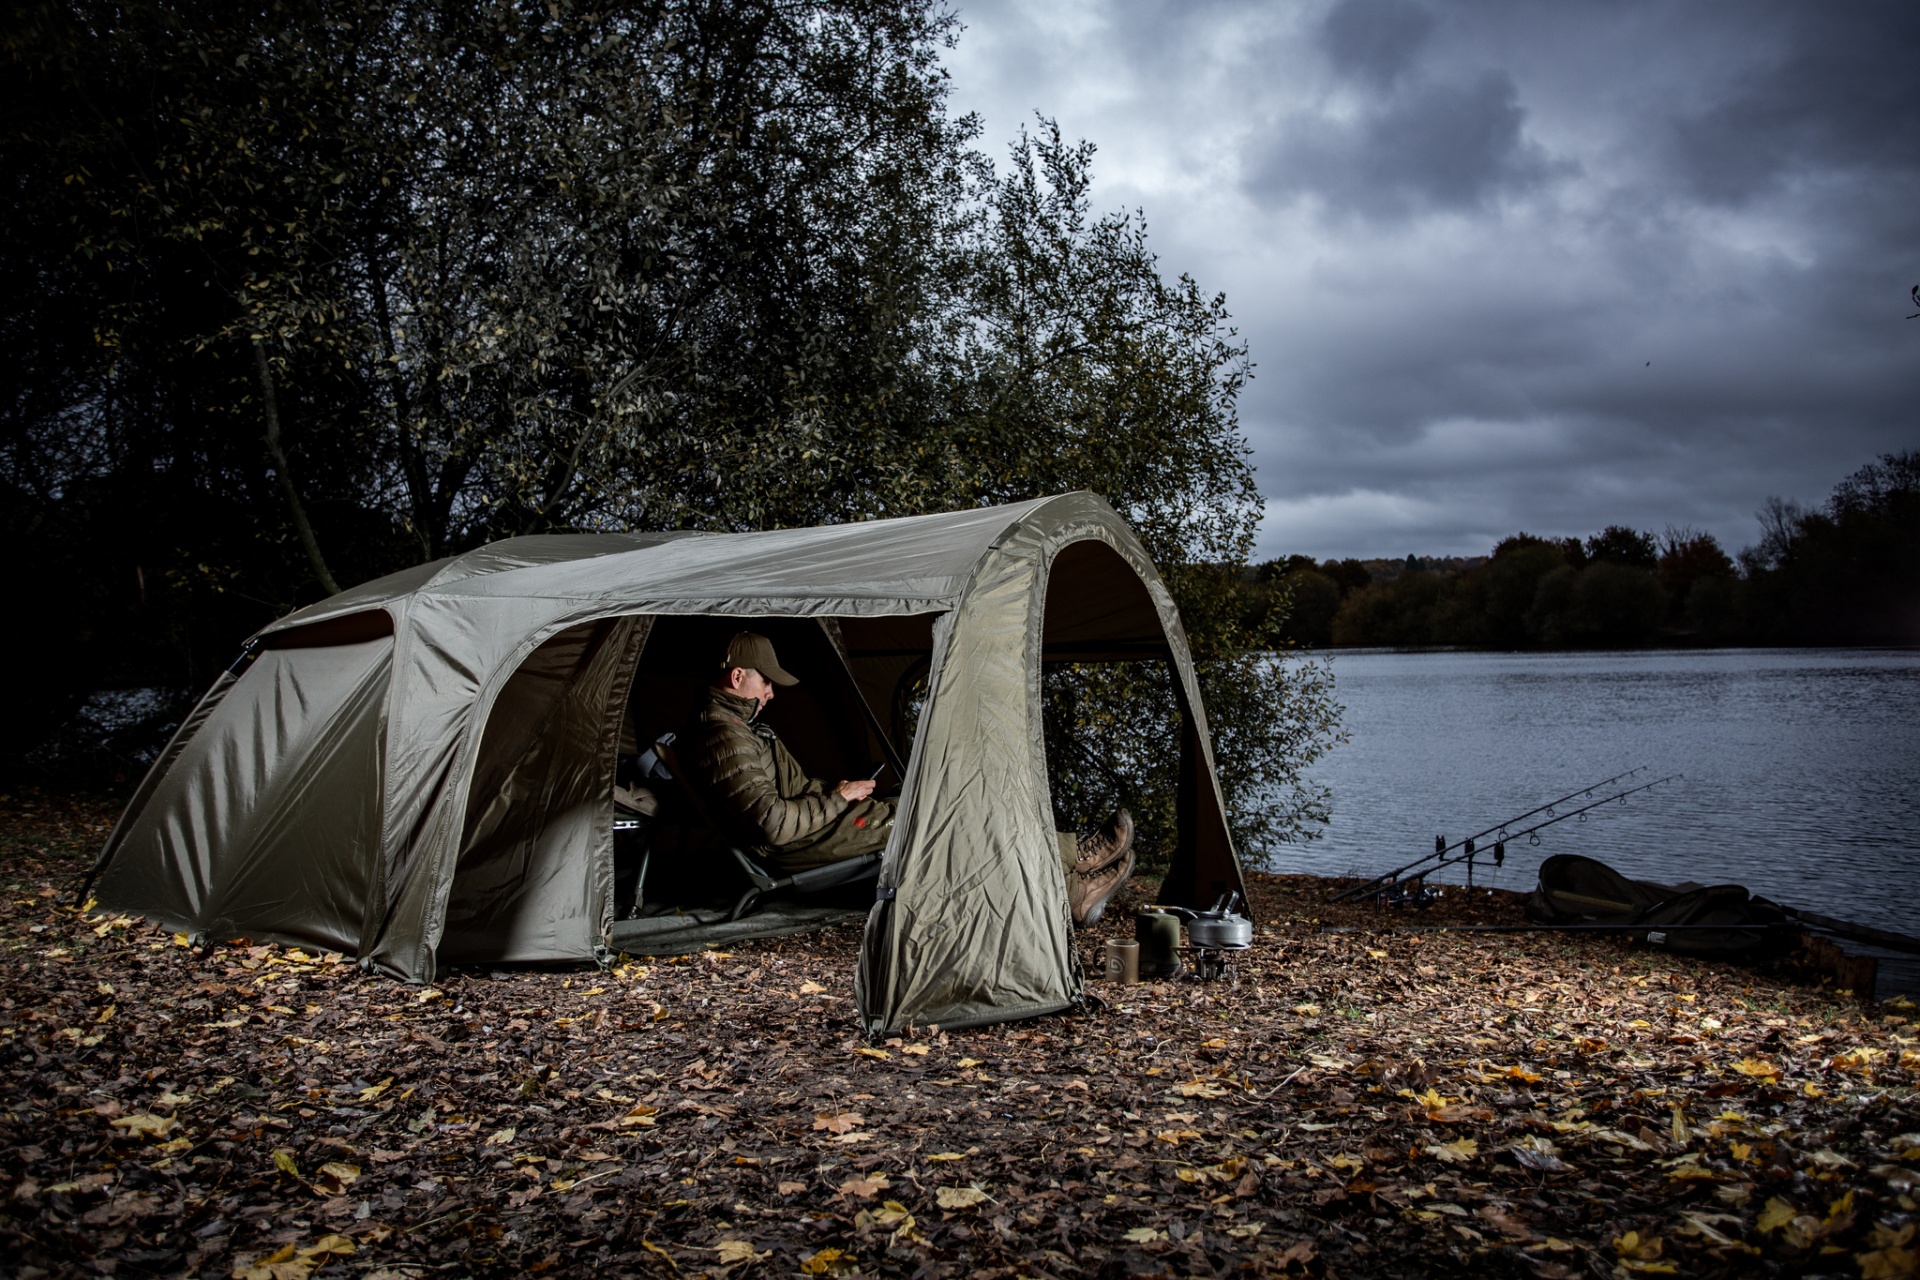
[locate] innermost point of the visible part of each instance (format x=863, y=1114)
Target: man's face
x=749, y=683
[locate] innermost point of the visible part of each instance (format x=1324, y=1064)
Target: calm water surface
x=1802, y=768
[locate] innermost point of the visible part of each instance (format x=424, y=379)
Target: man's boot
x=1104, y=846
x=1091, y=893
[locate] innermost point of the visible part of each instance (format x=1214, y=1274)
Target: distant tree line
x=1847, y=572
x=301, y=292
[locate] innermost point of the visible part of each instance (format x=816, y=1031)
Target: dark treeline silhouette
x=1847, y=572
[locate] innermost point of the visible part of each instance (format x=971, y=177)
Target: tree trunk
x=299, y=510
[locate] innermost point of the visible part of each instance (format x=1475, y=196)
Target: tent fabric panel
x=163, y=764
x=450, y=658
x=978, y=923
x=534, y=879
x=494, y=557
x=915, y=564
x=264, y=825
x=1204, y=861
x=377, y=594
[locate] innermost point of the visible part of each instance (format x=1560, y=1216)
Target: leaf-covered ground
x=1360, y=1104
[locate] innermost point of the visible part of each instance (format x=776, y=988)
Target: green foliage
x=354, y=283
x=1844, y=574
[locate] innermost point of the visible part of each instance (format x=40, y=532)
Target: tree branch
x=312, y=546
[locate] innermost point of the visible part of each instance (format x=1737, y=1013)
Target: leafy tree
x=1618, y=544
x=1844, y=573
x=1690, y=562
x=1512, y=578
x=1079, y=366
x=335, y=285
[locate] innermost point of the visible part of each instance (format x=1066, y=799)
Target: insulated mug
x=1123, y=960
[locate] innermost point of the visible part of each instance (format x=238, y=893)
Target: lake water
x=1802, y=768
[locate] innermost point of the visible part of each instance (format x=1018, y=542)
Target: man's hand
x=852, y=791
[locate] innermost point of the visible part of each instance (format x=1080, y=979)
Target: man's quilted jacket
x=747, y=773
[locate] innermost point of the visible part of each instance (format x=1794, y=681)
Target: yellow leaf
x=1458, y=1151
x=1813, y=1090
x=947, y=1155
x=811, y=988
x=373, y=1091
x=1376, y=954
x=865, y=1188
x=1145, y=1235
x=328, y=1245
x=1777, y=1214
x=1633, y=1247
x=501, y=1138
x=1307, y=1010
x=1173, y=1137
x=1757, y=1068
x=1201, y=1089
x=106, y=1014
x=873, y=1053
x=1680, y=1134
x=829, y=1262
x=144, y=1123
x=733, y=1251
x=641, y=1116
x=283, y=1161
x=593, y=991
x=968, y=1062
x=344, y=1174
x=917, y=1050
x=1890, y=1263
x=429, y=994
x=959, y=1197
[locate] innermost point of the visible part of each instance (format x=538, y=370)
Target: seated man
x=797, y=822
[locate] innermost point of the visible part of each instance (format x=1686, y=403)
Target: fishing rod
x=1500, y=847
x=1442, y=848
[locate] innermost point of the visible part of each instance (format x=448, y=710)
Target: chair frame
x=762, y=882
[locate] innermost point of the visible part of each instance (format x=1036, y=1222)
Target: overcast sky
x=1506, y=264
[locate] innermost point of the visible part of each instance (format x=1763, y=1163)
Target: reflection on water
x=1802, y=768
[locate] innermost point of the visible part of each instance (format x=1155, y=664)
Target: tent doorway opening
x=576, y=720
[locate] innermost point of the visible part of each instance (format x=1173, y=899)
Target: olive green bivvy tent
x=419, y=771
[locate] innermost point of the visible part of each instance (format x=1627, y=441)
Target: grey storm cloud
x=1375, y=39
x=1507, y=265
x=1441, y=146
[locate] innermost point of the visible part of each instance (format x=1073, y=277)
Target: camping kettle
x=1218, y=926
x=1158, y=933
